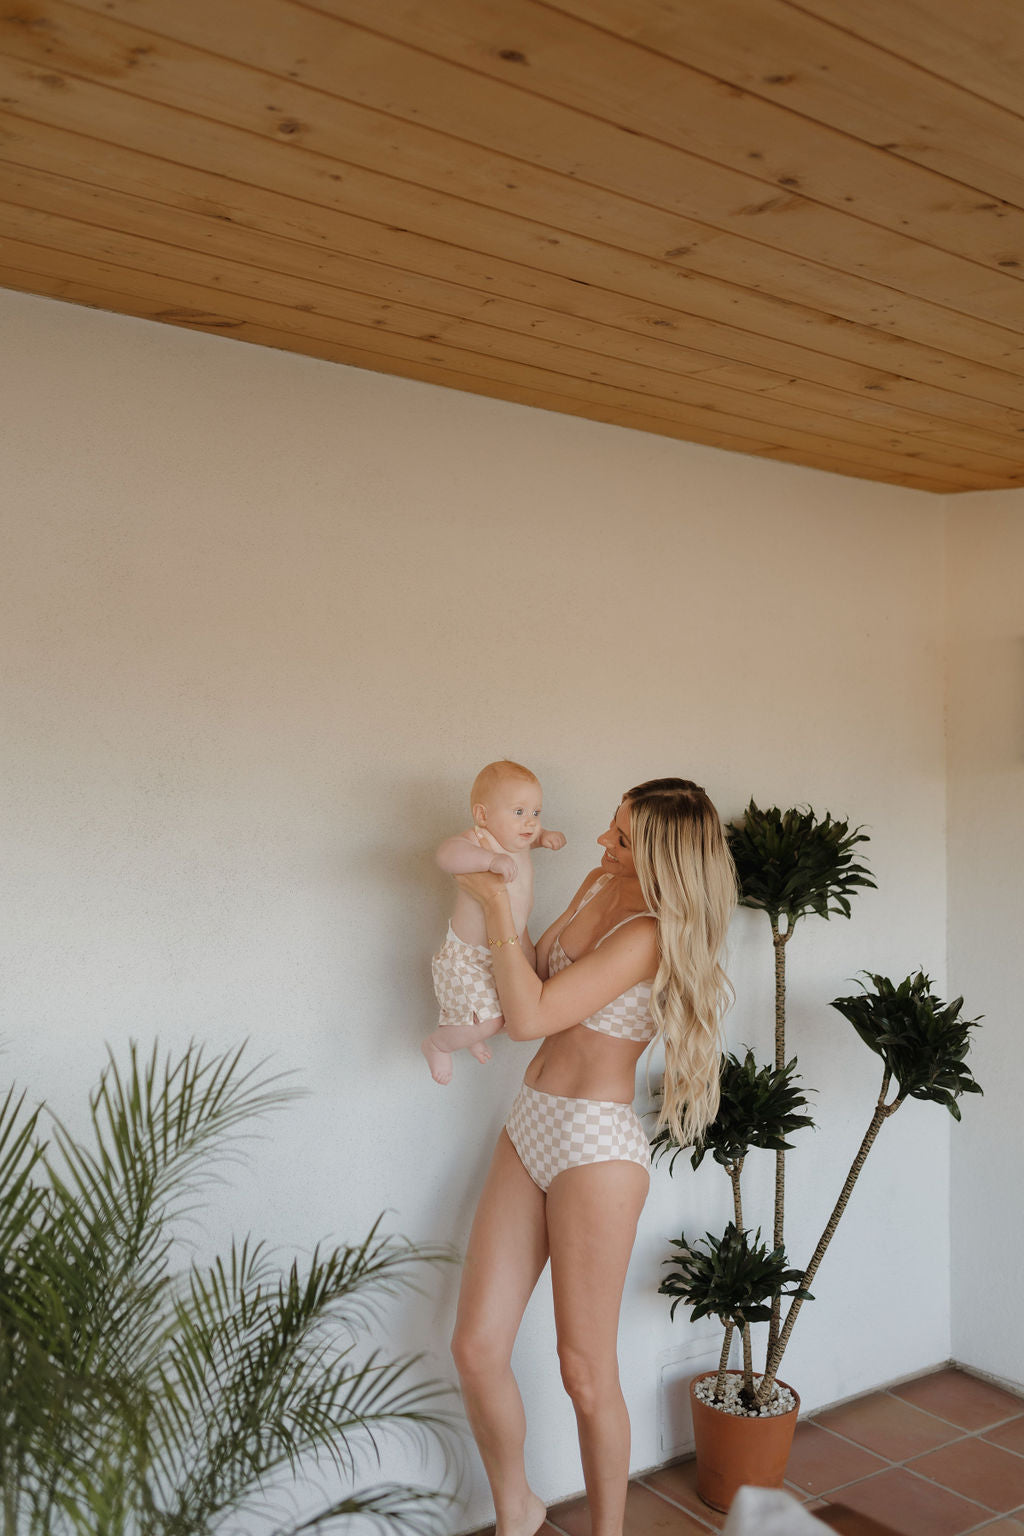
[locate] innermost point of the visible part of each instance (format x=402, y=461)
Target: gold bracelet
x=497, y=943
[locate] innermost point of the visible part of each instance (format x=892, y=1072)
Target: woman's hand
x=483, y=886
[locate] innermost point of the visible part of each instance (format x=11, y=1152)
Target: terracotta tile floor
x=939, y=1456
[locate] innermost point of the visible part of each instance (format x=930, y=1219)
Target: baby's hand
x=504, y=864
x=552, y=840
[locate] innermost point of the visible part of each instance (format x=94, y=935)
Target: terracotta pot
x=734, y=1451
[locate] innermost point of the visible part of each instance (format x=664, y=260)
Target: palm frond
x=134, y=1399
x=20, y=1155
x=265, y=1366
x=388, y=1506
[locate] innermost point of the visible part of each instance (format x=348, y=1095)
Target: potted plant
x=137, y=1396
x=790, y=864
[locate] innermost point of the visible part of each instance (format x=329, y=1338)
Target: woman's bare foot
x=439, y=1062
x=527, y=1522
x=480, y=1052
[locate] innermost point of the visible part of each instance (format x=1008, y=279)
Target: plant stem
x=723, y=1361
x=882, y=1113
x=10, y=1496
x=779, y=942
x=734, y=1170
x=748, y=1366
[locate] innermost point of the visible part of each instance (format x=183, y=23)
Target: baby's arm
x=547, y=839
x=461, y=856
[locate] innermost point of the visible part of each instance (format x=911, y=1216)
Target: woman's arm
x=534, y=1009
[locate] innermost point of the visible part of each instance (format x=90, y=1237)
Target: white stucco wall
x=986, y=918
x=263, y=619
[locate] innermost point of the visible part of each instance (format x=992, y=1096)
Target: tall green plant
x=790, y=864
x=923, y=1043
x=138, y=1400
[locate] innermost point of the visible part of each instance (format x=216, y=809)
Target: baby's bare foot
x=439, y=1062
x=480, y=1052
x=526, y=1522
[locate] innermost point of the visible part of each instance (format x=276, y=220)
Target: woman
x=634, y=956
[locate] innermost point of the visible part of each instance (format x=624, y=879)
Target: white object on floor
x=769, y=1512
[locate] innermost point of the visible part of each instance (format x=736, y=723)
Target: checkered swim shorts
x=552, y=1134
x=464, y=982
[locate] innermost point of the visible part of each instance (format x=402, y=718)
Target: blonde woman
x=635, y=956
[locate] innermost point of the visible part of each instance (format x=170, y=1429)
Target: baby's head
x=506, y=800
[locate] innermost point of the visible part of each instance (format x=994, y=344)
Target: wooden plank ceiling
x=788, y=229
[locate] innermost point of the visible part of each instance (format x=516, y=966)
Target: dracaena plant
x=923, y=1043
x=142, y=1398
x=791, y=864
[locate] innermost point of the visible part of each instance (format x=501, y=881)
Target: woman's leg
x=592, y=1213
x=507, y=1252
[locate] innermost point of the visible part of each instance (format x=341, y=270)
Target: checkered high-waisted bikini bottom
x=552, y=1133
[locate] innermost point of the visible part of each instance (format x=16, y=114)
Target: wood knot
x=27, y=19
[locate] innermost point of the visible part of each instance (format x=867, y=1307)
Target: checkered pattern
x=552, y=1134
x=464, y=982
x=627, y=1017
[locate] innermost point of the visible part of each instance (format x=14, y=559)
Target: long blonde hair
x=688, y=881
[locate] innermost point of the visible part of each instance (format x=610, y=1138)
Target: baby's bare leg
x=484, y=1029
x=438, y=1047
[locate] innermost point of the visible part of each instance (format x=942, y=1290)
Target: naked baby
x=506, y=803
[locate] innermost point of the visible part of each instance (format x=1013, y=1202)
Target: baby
x=506, y=802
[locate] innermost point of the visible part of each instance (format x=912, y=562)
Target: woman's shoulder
x=587, y=887
x=639, y=928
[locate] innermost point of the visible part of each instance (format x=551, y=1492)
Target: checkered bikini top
x=627, y=1017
